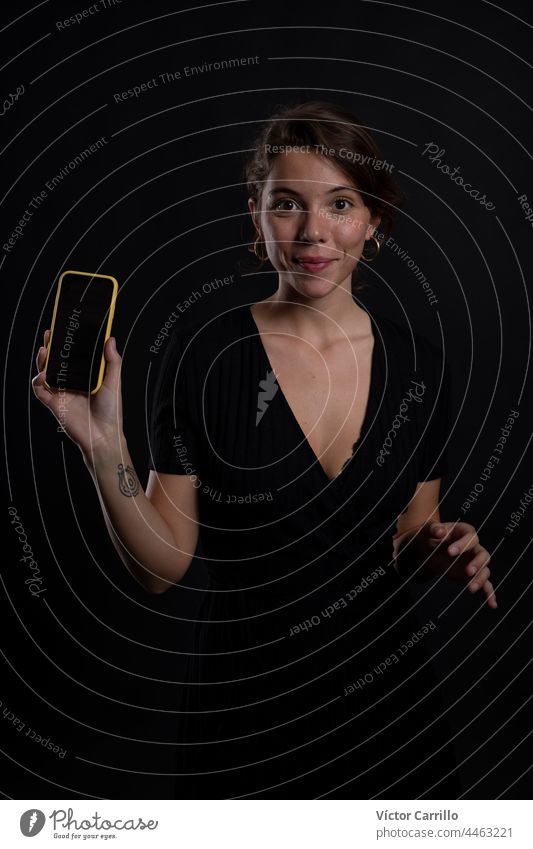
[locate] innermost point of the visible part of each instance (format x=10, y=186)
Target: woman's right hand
x=87, y=419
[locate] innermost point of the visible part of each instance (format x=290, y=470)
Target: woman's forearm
x=412, y=557
x=141, y=536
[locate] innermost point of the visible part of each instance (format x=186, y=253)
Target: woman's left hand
x=458, y=552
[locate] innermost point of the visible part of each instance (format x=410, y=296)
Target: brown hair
x=331, y=129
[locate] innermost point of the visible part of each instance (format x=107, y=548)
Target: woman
x=301, y=440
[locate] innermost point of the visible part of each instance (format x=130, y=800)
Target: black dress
x=310, y=675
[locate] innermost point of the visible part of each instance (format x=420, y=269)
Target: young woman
x=301, y=440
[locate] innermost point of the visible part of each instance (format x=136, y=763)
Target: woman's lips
x=314, y=264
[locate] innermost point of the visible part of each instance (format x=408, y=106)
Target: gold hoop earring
x=255, y=249
x=374, y=255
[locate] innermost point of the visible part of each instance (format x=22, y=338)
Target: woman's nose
x=314, y=226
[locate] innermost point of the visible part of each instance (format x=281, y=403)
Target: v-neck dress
x=310, y=674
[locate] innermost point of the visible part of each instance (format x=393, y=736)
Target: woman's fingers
x=113, y=364
x=482, y=558
x=457, y=537
x=478, y=579
x=41, y=353
x=40, y=358
x=481, y=580
x=489, y=592
x=464, y=543
x=437, y=530
x=467, y=548
x=42, y=392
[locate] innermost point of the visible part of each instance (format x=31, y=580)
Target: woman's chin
x=312, y=286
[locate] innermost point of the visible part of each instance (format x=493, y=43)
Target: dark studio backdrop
x=92, y=663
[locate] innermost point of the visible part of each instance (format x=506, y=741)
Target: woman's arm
x=408, y=555
x=155, y=533
x=425, y=547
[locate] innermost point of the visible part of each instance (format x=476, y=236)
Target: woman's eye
x=346, y=204
x=283, y=205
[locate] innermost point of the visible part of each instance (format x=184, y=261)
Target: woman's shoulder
x=200, y=340
x=407, y=342
x=207, y=326
x=410, y=357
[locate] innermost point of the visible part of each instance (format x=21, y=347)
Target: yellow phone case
x=108, y=326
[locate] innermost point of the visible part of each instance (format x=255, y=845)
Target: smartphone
x=81, y=324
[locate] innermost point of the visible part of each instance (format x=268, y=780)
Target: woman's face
x=313, y=221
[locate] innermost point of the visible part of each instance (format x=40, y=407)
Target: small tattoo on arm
x=128, y=482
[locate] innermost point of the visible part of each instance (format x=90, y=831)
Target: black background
x=94, y=663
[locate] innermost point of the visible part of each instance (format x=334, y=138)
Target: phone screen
x=81, y=324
